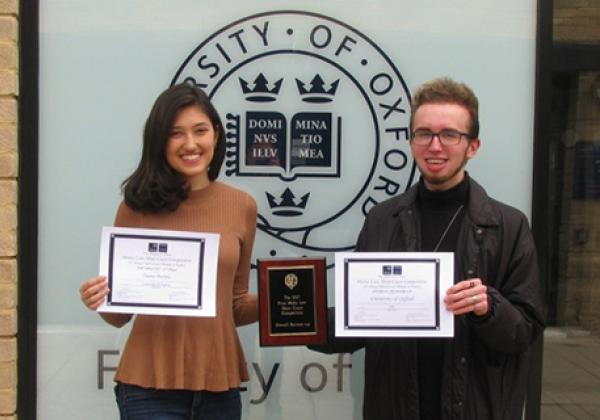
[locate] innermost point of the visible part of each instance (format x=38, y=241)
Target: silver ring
x=474, y=299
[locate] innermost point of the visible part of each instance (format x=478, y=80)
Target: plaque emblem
x=291, y=281
x=316, y=117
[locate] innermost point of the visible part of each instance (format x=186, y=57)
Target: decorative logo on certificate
x=302, y=95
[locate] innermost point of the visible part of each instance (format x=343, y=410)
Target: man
x=480, y=373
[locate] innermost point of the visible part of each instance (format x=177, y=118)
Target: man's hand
x=467, y=296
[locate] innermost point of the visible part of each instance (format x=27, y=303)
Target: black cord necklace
x=445, y=232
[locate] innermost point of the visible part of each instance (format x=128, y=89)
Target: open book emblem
x=316, y=119
x=270, y=143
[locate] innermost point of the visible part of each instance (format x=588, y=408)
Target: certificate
x=159, y=272
x=393, y=294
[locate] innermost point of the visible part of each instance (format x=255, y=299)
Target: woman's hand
x=93, y=292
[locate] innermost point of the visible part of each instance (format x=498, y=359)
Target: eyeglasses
x=447, y=137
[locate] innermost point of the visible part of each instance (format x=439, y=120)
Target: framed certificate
x=393, y=294
x=292, y=298
x=159, y=272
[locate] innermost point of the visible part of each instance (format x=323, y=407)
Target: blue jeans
x=136, y=403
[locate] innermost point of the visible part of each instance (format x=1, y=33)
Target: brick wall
x=577, y=21
x=9, y=92
x=579, y=257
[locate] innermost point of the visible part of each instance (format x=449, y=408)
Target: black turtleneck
x=437, y=209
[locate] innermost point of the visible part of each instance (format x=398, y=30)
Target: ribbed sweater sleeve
x=244, y=304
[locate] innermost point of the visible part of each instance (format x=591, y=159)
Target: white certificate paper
x=393, y=294
x=159, y=272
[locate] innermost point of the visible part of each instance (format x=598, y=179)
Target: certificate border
x=114, y=236
x=435, y=261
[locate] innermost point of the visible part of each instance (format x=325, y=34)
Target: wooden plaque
x=292, y=300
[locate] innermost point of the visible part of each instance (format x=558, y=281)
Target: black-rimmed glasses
x=447, y=137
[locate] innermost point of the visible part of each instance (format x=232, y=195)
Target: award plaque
x=292, y=299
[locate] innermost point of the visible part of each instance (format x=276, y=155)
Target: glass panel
x=571, y=376
x=269, y=67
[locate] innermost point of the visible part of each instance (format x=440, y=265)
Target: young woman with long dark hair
x=185, y=367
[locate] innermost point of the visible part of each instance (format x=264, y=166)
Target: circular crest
x=316, y=118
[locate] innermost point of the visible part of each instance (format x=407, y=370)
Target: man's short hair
x=446, y=90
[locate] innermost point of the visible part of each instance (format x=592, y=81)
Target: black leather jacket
x=486, y=364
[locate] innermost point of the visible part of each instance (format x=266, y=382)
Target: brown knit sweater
x=170, y=352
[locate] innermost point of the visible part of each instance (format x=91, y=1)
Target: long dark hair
x=155, y=186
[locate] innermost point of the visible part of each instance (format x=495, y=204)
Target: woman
x=185, y=367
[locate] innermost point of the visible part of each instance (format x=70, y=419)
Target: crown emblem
x=287, y=205
x=260, y=92
x=317, y=92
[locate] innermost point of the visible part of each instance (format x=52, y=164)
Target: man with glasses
x=480, y=373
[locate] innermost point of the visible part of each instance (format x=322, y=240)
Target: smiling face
x=443, y=167
x=191, y=145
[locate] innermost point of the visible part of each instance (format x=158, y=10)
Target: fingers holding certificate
x=393, y=294
x=93, y=292
x=159, y=272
